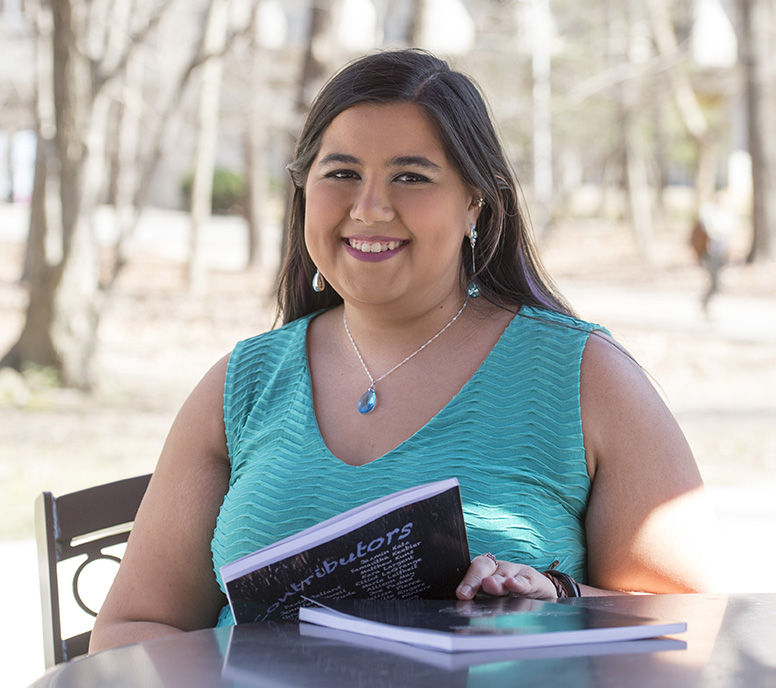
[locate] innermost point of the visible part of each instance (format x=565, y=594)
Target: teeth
x=374, y=247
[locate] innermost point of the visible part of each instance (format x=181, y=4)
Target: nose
x=372, y=204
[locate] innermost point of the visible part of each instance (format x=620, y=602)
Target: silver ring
x=491, y=557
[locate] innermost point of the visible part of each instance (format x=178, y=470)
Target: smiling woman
x=445, y=116
x=393, y=199
x=411, y=273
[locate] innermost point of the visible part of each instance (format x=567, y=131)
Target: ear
x=476, y=204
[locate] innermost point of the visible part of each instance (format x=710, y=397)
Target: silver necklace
x=368, y=399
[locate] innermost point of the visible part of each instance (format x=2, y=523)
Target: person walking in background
x=710, y=239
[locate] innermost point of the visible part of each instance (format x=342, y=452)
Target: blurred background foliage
x=228, y=191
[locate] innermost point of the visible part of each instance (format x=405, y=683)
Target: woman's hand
x=499, y=578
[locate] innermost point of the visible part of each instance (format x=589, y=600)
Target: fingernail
x=465, y=591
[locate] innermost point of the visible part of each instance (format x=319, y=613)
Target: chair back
x=79, y=524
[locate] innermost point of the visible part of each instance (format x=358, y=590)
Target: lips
x=373, y=249
x=373, y=246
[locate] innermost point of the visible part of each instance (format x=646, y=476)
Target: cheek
x=314, y=217
x=323, y=206
x=323, y=215
x=437, y=213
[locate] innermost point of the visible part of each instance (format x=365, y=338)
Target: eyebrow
x=416, y=160
x=339, y=158
x=398, y=161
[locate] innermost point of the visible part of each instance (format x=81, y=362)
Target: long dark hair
x=508, y=271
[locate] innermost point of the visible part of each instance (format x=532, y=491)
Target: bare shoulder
x=209, y=392
x=201, y=418
x=212, y=383
x=195, y=452
x=605, y=361
x=621, y=406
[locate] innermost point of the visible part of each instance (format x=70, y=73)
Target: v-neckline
x=313, y=419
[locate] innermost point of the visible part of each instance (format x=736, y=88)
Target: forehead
x=392, y=129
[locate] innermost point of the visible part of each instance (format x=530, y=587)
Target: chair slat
x=58, y=520
x=97, y=508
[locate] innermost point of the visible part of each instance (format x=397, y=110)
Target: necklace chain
x=413, y=354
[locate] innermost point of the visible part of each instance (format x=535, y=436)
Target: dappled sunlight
x=691, y=531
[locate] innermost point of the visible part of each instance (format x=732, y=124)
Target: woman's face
x=385, y=209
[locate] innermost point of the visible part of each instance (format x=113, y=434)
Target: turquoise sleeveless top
x=512, y=436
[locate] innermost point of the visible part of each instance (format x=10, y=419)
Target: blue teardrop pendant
x=367, y=401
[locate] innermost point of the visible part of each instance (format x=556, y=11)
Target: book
x=484, y=624
x=453, y=661
x=408, y=545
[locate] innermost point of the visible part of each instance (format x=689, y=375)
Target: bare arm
x=166, y=582
x=648, y=523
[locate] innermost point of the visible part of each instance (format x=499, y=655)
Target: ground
x=716, y=370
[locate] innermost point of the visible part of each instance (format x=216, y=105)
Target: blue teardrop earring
x=473, y=290
x=318, y=284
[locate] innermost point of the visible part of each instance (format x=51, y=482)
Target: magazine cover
x=484, y=624
x=409, y=545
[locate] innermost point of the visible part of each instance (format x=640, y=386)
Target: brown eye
x=411, y=178
x=341, y=174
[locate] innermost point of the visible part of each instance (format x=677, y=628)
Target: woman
x=421, y=341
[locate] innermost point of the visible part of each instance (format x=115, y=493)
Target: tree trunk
x=415, y=26
x=660, y=91
x=756, y=52
x=64, y=297
x=127, y=163
x=313, y=69
x=9, y=165
x=34, y=345
x=149, y=155
x=46, y=127
x=254, y=143
x=542, y=117
x=81, y=121
x=629, y=96
x=255, y=194
x=686, y=101
x=309, y=81
x=207, y=135
x=639, y=191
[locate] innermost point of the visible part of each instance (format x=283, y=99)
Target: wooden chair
x=83, y=523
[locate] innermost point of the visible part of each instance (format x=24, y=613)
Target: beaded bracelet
x=565, y=585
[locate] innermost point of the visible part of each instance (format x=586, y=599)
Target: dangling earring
x=318, y=284
x=473, y=290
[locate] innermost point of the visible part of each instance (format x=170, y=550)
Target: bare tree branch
x=105, y=73
x=668, y=47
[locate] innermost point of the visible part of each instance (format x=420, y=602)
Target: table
x=730, y=641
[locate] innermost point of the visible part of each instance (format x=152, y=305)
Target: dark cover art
x=418, y=551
